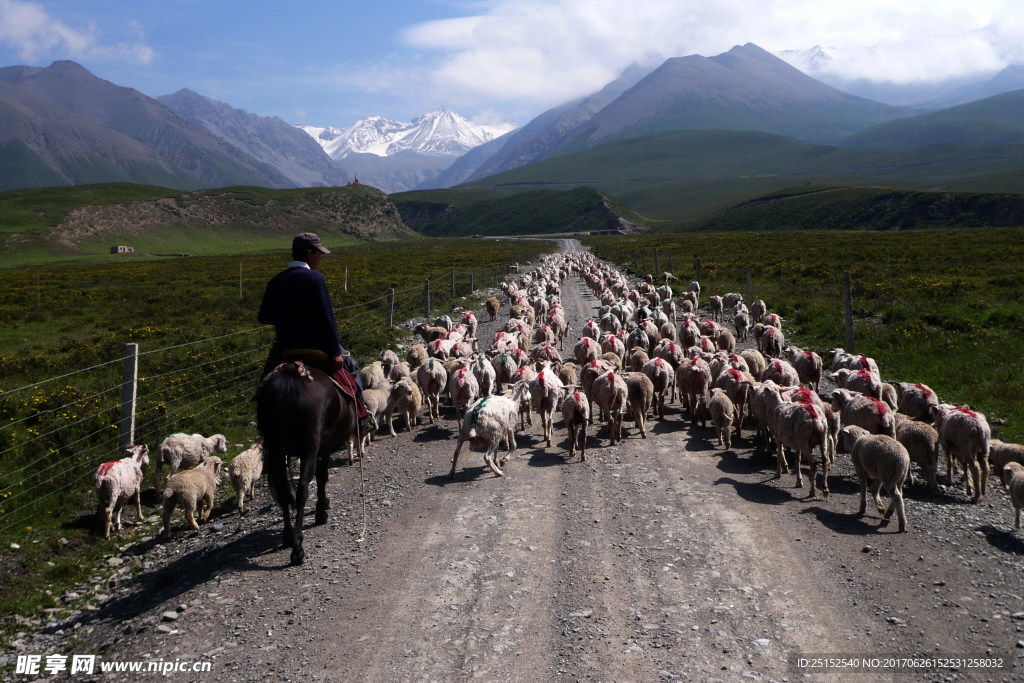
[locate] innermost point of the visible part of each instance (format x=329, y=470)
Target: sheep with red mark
x=841, y=359
x=612, y=344
x=576, y=415
x=463, y=389
x=966, y=437
x=117, y=482
x=758, y=311
x=922, y=444
x=546, y=391
x=916, y=400
x=488, y=422
x=710, y=329
x=864, y=411
x=801, y=427
x=432, y=378
x=807, y=365
x=639, y=395
x=771, y=342
x=586, y=350
x=780, y=372
x=609, y=391
x=694, y=381
x=505, y=367
x=773, y=320
x=663, y=379
x=723, y=413
x=861, y=381
x=737, y=386
x=543, y=334
x=885, y=462
x=1013, y=482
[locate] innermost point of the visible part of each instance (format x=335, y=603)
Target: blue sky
x=322, y=62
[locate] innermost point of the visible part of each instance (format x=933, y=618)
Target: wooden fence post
x=848, y=310
x=346, y=278
x=453, y=282
x=697, y=270
x=129, y=393
x=750, y=287
x=391, y=307
x=472, y=285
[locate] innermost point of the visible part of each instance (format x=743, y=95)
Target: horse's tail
x=276, y=399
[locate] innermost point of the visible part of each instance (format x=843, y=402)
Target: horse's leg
x=307, y=469
x=322, y=502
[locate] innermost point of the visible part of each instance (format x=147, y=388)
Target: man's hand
x=337, y=362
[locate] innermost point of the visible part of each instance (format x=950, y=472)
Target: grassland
x=937, y=306
x=200, y=351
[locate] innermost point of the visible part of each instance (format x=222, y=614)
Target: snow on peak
x=441, y=132
x=812, y=61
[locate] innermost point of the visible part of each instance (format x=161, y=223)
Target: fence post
x=696, y=268
x=129, y=392
x=391, y=307
x=848, y=310
x=657, y=268
x=472, y=284
x=750, y=287
x=239, y=280
x=427, y=290
x=453, y=282
x=346, y=278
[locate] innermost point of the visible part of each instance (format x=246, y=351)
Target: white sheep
x=801, y=427
x=546, y=392
x=117, y=482
x=432, y=378
x=1013, y=482
x=737, y=386
x=916, y=400
x=885, y=461
x=576, y=415
x=193, y=490
x=639, y=393
x=488, y=422
x=663, y=380
x=864, y=411
x=405, y=397
x=1001, y=454
x=694, y=381
x=609, y=392
x=861, y=381
x=922, y=444
x=781, y=372
x=463, y=389
x=722, y=415
x=807, y=365
x=244, y=471
x=841, y=359
x=966, y=438
x=185, y=450
x=373, y=376
x=758, y=310
x=388, y=360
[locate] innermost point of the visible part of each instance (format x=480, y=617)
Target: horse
x=301, y=413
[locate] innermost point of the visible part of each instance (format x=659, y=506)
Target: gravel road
x=657, y=559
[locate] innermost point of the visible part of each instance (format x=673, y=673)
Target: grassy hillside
x=686, y=174
x=478, y=212
x=40, y=225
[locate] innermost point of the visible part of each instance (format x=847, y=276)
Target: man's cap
x=310, y=242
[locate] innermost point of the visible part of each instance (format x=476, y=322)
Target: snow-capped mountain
x=813, y=61
x=440, y=133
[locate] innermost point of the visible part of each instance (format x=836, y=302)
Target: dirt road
x=658, y=559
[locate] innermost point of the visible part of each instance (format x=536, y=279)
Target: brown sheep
x=1001, y=454
x=576, y=414
x=193, y=490
x=884, y=460
x=493, y=306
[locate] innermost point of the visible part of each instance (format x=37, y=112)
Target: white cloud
x=33, y=34
x=548, y=51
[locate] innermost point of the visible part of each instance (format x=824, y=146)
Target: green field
x=201, y=348
x=937, y=306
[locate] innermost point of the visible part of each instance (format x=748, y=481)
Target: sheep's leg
x=491, y=456
x=826, y=465
x=976, y=479
x=814, y=474
x=896, y=503
x=876, y=486
x=583, y=442
x=510, y=437
x=138, y=502
x=781, y=466
x=985, y=471
x=455, y=457
x=799, y=469
x=190, y=517
x=105, y=514
x=241, y=500
x=863, y=480
x=573, y=430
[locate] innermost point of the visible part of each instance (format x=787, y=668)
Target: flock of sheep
x=643, y=348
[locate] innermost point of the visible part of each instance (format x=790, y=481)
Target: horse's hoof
x=298, y=557
x=321, y=517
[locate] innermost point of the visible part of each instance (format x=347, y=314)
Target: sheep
x=861, y=381
x=722, y=415
x=373, y=376
x=568, y=374
x=965, y=436
x=726, y=341
x=736, y=385
x=185, y=450
x=432, y=378
x=116, y=482
x=463, y=389
x=758, y=310
x=639, y=393
x=429, y=333
x=416, y=356
x=886, y=461
x=471, y=323
x=493, y=306
x=576, y=415
x=741, y=321
x=586, y=350
x=922, y=444
x=546, y=391
x=841, y=359
x=772, y=342
x=486, y=378
x=755, y=361
x=244, y=471
x=388, y=360
x=637, y=359
x=489, y=421
x=694, y=381
x=717, y=308
x=773, y=320
x=1013, y=482
x=612, y=344
x=916, y=400
x=404, y=396
x=730, y=300
x=801, y=427
x=864, y=411
x=505, y=367
x=1001, y=454
x=807, y=365
x=663, y=378
x=609, y=392
x=193, y=490
x=780, y=372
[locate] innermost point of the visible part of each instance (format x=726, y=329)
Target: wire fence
x=55, y=432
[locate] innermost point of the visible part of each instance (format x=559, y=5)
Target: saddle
x=340, y=377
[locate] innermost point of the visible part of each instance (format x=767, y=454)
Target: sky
x=332, y=62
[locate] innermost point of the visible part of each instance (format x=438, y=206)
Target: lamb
x=717, y=308
x=546, y=391
x=726, y=341
x=568, y=374
x=637, y=359
x=609, y=391
x=185, y=450
x=405, y=396
x=429, y=333
x=432, y=378
x=116, y=482
x=916, y=400
x=694, y=382
x=493, y=306
x=861, y=381
x=1002, y=454
x=722, y=415
x=663, y=379
x=244, y=471
x=373, y=376
x=576, y=415
x=864, y=411
x=416, y=356
x=1013, y=482
x=742, y=323
x=192, y=489
x=886, y=461
x=966, y=437
x=388, y=360
x=486, y=378
x=470, y=321
x=639, y=392
x=922, y=444
x=758, y=310
x=807, y=365
x=737, y=386
x=488, y=422
x=376, y=401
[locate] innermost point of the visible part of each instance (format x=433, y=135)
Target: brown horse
x=302, y=414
